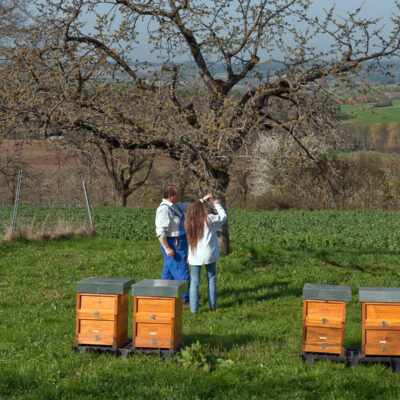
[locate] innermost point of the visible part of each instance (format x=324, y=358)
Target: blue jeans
x=194, y=286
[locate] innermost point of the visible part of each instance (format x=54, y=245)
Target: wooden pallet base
x=118, y=352
x=352, y=358
x=125, y=350
x=164, y=353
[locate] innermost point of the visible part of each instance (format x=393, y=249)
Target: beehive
x=324, y=317
x=157, y=313
x=380, y=324
x=102, y=311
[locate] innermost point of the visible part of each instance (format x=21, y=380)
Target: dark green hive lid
x=379, y=294
x=159, y=288
x=104, y=285
x=326, y=292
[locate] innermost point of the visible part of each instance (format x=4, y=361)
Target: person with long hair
x=201, y=231
x=172, y=237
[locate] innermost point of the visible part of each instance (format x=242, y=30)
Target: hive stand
x=122, y=351
x=352, y=358
x=157, y=316
x=380, y=321
x=102, y=314
x=324, y=316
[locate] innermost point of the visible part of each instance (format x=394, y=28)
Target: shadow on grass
x=353, y=343
x=228, y=342
x=13, y=382
x=360, y=260
x=256, y=293
x=346, y=385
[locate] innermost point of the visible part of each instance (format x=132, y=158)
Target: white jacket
x=207, y=250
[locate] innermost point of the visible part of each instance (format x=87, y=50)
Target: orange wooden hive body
x=324, y=317
x=157, y=314
x=102, y=312
x=380, y=324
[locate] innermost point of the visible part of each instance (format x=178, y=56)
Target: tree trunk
x=223, y=239
x=123, y=199
x=220, y=194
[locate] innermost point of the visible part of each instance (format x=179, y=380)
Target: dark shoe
x=213, y=309
x=186, y=304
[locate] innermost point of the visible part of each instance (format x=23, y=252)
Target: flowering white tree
x=274, y=156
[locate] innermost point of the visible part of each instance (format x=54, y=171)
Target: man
x=171, y=234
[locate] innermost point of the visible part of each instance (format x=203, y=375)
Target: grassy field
x=257, y=325
x=295, y=228
x=365, y=113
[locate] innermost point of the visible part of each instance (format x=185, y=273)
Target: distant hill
x=218, y=70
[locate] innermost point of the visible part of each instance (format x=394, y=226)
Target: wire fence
x=7, y=196
x=58, y=190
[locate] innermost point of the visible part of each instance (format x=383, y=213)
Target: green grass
x=365, y=113
x=257, y=325
x=294, y=228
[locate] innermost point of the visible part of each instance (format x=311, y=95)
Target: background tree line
x=377, y=136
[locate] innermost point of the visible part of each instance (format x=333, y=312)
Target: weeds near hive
x=199, y=356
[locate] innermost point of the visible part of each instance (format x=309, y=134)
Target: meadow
x=366, y=113
x=256, y=331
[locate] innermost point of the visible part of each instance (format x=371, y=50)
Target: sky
x=383, y=9
x=371, y=9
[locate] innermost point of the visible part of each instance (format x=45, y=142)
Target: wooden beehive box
x=324, y=317
x=102, y=311
x=380, y=324
x=157, y=313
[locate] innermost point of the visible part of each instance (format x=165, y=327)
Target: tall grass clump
x=59, y=229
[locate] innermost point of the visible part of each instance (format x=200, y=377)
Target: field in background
x=366, y=113
x=364, y=230
x=53, y=175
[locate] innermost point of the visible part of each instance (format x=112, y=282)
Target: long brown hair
x=196, y=217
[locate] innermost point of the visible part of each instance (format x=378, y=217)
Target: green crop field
x=254, y=337
x=365, y=113
x=353, y=229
